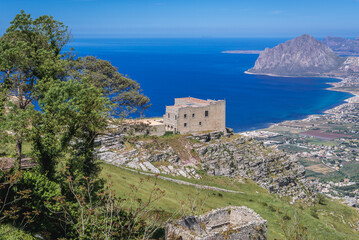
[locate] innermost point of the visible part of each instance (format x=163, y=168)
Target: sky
x=194, y=18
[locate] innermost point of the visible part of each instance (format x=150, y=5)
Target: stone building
x=225, y=223
x=190, y=115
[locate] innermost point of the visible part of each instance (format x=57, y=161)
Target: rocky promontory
x=301, y=56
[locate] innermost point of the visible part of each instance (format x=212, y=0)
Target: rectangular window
x=175, y=117
x=200, y=123
x=206, y=113
x=185, y=116
x=185, y=124
x=193, y=115
x=168, y=115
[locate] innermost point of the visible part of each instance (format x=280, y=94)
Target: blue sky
x=194, y=18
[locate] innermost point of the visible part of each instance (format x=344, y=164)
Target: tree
x=72, y=114
x=124, y=92
x=29, y=53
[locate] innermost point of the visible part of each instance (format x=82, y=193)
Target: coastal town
x=325, y=144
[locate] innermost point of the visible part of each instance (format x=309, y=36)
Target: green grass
x=306, y=163
x=271, y=207
x=318, y=141
x=350, y=170
x=310, y=173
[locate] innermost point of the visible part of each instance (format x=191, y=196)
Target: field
x=320, y=168
x=320, y=220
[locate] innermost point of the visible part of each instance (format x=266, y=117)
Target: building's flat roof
x=193, y=102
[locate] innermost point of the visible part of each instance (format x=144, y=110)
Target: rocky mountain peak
x=301, y=56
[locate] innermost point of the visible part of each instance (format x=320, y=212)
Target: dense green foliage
x=124, y=92
x=29, y=54
x=75, y=98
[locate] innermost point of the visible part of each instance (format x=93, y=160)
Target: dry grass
x=320, y=168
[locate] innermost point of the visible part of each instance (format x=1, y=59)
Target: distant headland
x=301, y=56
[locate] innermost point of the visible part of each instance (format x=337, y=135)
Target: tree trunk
x=18, y=148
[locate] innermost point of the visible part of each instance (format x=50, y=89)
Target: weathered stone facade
x=224, y=223
x=190, y=115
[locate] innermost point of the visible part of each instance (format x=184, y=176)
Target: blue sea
x=171, y=68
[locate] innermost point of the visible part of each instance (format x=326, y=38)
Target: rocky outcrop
x=301, y=56
x=224, y=223
x=269, y=167
x=231, y=157
x=350, y=65
x=206, y=137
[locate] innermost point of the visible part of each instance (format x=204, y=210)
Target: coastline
x=334, y=87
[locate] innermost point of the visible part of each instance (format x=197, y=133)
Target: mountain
x=333, y=42
x=342, y=46
x=301, y=56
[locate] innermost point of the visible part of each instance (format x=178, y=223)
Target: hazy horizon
x=194, y=18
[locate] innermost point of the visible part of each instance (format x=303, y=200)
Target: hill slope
x=321, y=221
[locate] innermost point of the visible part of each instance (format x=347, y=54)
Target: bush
x=43, y=191
x=272, y=208
x=321, y=199
x=314, y=213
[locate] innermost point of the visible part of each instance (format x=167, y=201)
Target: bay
x=171, y=68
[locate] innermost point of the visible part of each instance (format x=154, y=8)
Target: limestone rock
x=269, y=167
x=224, y=223
x=301, y=56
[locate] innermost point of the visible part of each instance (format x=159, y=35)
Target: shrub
x=42, y=193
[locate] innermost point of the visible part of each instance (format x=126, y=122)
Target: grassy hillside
x=332, y=220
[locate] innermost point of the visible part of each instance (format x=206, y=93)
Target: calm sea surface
x=170, y=68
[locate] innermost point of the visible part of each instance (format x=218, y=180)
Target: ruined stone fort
x=187, y=116
x=191, y=115
x=231, y=223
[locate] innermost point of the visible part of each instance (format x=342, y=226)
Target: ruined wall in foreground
x=223, y=223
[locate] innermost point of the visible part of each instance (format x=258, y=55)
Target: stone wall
x=224, y=223
x=196, y=120
x=157, y=130
x=170, y=119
